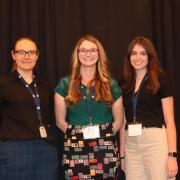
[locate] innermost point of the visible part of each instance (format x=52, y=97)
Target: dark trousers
x=28, y=160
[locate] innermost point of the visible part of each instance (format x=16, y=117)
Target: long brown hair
x=14, y=67
x=153, y=66
x=101, y=80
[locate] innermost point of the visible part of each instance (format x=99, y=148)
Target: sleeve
x=165, y=86
x=115, y=89
x=62, y=86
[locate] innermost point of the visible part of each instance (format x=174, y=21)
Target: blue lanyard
x=89, y=105
x=136, y=95
x=35, y=96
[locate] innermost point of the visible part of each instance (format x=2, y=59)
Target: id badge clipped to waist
x=135, y=129
x=91, y=132
x=43, y=132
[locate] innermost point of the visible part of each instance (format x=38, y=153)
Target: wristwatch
x=173, y=154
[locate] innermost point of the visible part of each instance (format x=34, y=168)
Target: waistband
x=84, y=126
x=105, y=130
x=27, y=140
x=149, y=126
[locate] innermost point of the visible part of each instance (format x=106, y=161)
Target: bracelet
x=173, y=154
x=122, y=157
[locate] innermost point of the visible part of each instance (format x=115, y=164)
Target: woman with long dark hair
x=150, y=133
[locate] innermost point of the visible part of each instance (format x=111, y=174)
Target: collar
x=13, y=76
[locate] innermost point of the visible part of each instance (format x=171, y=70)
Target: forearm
x=168, y=111
x=62, y=125
x=60, y=112
x=171, y=165
x=122, y=140
x=116, y=126
x=118, y=113
x=171, y=137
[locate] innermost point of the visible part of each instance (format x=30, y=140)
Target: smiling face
x=88, y=54
x=25, y=54
x=139, y=58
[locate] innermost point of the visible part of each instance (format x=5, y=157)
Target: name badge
x=91, y=132
x=42, y=131
x=135, y=129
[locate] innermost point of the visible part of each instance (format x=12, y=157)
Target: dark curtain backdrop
x=57, y=25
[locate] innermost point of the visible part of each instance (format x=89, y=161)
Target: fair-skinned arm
x=118, y=112
x=122, y=142
x=168, y=111
x=60, y=112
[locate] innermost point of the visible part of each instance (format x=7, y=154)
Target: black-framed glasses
x=22, y=53
x=92, y=51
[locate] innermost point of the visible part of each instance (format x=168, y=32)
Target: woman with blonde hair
x=89, y=110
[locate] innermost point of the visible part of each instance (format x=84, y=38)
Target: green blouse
x=79, y=114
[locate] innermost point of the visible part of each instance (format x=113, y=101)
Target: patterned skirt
x=90, y=158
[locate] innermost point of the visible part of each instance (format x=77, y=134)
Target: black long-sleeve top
x=18, y=116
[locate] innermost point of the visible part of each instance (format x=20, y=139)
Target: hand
x=65, y=128
x=123, y=164
x=171, y=167
x=115, y=129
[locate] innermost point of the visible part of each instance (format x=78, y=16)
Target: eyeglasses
x=84, y=51
x=22, y=53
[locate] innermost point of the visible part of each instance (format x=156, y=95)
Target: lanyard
x=34, y=94
x=136, y=95
x=89, y=103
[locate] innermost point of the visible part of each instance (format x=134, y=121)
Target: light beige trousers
x=146, y=155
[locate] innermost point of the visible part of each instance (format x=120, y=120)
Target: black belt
x=148, y=126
